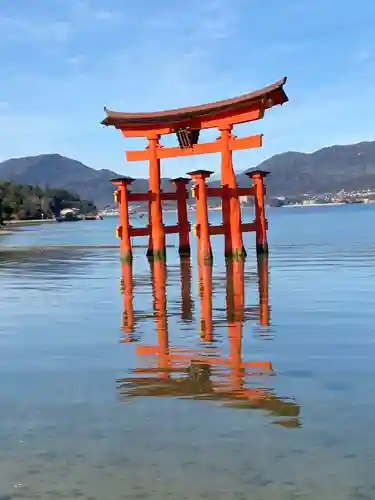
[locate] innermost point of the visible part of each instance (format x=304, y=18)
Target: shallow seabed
x=110, y=393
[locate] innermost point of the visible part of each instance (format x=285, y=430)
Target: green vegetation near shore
x=25, y=202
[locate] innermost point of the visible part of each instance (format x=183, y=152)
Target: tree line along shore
x=21, y=203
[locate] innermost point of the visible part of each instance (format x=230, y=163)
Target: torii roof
x=272, y=95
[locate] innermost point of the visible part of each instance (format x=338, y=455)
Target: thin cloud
x=39, y=30
x=364, y=55
x=29, y=134
x=180, y=54
x=76, y=60
x=54, y=25
x=106, y=15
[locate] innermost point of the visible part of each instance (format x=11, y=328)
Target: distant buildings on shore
x=342, y=197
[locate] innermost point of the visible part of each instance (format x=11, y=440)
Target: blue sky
x=62, y=61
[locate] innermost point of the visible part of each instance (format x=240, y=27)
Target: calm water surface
x=182, y=384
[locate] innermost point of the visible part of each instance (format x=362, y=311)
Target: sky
x=62, y=61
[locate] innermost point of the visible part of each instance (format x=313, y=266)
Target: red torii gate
x=186, y=123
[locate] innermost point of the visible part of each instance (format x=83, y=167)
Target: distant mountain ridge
x=57, y=171
x=54, y=170
x=349, y=167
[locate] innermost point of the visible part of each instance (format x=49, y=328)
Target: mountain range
x=328, y=170
x=349, y=167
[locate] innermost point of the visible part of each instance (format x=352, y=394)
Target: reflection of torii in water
x=203, y=372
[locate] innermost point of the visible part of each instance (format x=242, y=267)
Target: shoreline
x=320, y=204
x=10, y=226
x=28, y=222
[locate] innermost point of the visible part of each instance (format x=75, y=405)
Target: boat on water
x=69, y=215
x=93, y=217
x=68, y=218
x=72, y=215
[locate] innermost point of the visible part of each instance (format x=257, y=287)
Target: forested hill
x=327, y=170
x=330, y=169
x=24, y=202
x=56, y=171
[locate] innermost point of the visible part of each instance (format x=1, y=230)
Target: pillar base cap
x=262, y=249
x=236, y=254
x=126, y=257
x=157, y=255
x=206, y=258
x=184, y=251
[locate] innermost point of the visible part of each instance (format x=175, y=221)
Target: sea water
x=94, y=406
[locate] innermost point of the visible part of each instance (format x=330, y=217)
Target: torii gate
x=186, y=123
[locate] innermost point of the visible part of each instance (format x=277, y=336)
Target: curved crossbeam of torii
x=186, y=123
x=201, y=116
